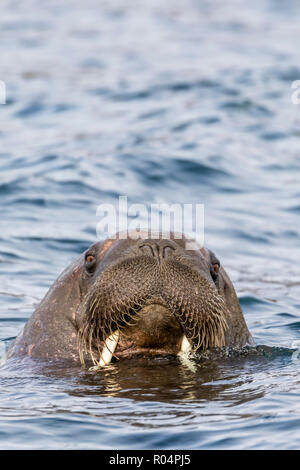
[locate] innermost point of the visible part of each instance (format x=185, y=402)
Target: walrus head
x=140, y=295
x=152, y=296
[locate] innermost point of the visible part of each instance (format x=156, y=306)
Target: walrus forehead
x=106, y=245
x=209, y=256
x=205, y=253
x=131, y=238
x=112, y=250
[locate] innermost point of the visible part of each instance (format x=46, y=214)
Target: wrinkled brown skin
x=237, y=334
x=52, y=331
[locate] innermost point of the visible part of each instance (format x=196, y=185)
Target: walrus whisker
x=92, y=306
x=126, y=322
x=98, y=343
x=131, y=324
x=96, y=322
x=90, y=346
x=210, y=332
x=201, y=317
x=82, y=342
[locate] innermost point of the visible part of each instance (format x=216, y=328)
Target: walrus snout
x=156, y=327
x=152, y=301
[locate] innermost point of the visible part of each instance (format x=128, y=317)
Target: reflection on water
x=206, y=377
x=155, y=400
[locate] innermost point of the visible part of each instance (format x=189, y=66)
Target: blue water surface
x=175, y=101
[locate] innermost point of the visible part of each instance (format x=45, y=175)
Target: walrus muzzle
x=141, y=304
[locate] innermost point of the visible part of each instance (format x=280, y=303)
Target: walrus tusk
x=109, y=348
x=185, y=345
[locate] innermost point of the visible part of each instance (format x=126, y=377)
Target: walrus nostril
x=149, y=248
x=163, y=249
x=167, y=251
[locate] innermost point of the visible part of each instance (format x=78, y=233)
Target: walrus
x=135, y=296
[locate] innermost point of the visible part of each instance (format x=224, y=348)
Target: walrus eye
x=215, y=267
x=90, y=263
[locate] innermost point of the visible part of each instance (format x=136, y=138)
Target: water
x=174, y=101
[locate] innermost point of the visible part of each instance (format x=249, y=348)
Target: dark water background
x=162, y=101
